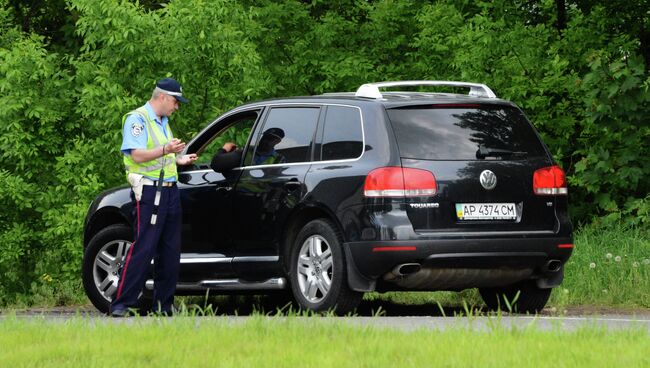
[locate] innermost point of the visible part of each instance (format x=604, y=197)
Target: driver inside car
x=230, y=156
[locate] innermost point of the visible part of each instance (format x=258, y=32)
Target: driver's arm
x=224, y=160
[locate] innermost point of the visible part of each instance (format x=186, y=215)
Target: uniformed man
x=149, y=150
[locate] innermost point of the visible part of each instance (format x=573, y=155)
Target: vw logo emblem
x=488, y=179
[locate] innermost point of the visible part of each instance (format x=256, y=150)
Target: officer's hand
x=229, y=147
x=186, y=159
x=175, y=146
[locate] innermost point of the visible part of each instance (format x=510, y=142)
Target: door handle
x=220, y=189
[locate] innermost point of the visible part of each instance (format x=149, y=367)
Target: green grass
x=468, y=297
x=607, y=268
x=298, y=342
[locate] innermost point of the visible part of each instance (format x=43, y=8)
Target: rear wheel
x=102, y=265
x=524, y=297
x=318, y=270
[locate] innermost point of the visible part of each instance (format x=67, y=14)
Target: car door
x=206, y=196
x=270, y=186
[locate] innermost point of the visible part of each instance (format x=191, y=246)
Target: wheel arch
x=299, y=218
x=356, y=281
x=102, y=219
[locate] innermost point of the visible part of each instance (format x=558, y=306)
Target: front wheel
x=524, y=297
x=102, y=265
x=318, y=270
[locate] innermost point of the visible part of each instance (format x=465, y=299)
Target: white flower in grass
x=608, y=256
x=604, y=291
x=617, y=258
x=592, y=265
x=646, y=261
x=635, y=264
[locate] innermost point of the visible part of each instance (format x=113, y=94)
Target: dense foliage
x=70, y=69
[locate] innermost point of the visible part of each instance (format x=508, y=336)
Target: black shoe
x=119, y=313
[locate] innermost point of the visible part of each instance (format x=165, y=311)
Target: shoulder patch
x=137, y=128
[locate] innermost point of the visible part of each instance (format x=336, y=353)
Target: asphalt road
x=409, y=323
x=611, y=322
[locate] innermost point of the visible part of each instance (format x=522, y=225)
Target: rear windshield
x=464, y=132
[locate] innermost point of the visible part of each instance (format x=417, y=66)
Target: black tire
x=527, y=297
x=106, y=239
x=338, y=298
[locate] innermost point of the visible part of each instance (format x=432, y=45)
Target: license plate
x=486, y=211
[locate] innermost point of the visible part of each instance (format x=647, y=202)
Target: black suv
x=366, y=191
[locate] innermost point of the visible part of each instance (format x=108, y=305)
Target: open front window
x=235, y=129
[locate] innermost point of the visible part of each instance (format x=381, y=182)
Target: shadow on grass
x=238, y=305
x=280, y=304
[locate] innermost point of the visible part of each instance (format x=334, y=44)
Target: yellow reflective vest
x=155, y=138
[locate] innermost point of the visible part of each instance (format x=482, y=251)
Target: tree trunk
x=644, y=39
x=560, y=6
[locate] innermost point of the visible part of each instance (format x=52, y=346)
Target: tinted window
x=286, y=136
x=459, y=133
x=342, y=137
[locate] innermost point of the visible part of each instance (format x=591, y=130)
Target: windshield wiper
x=484, y=152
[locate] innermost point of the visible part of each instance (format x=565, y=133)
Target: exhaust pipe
x=553, y=265
x=406, y=269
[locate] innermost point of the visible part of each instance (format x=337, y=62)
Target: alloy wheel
x=108, y=266
x=315, y=266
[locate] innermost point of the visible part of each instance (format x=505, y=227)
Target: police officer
x=149, y=149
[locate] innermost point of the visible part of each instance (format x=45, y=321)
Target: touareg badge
x=136, y=129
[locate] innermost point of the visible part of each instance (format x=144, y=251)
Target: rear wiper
x=484, y=152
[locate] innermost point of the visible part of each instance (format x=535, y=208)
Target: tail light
x=549, y=181
x=399, y=182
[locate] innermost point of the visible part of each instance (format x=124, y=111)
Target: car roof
x=370, y=93
x=389, y=100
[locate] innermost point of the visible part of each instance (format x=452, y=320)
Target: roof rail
x=371, y=90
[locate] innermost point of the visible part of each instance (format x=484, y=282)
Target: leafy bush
x=613, y=165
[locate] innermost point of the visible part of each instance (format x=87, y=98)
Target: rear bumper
x=371, y=260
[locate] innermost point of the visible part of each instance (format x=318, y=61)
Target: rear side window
x=463, y=132
x=343, y=135
x=286, y=137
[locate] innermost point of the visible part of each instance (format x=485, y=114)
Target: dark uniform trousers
x=160, y=242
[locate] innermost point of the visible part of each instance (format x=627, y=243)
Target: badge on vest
x=136, y=129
